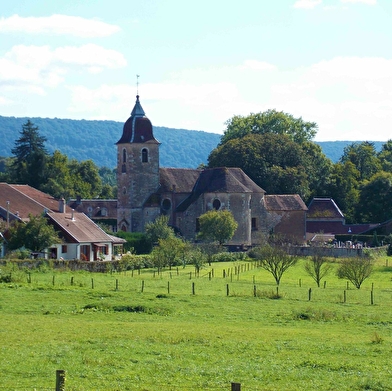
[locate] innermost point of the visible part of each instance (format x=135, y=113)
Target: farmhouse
x=146, y=191
x=80, y=237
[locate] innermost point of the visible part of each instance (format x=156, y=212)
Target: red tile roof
x=79, y=228
x=25, y=200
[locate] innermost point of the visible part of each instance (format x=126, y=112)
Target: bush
x=136, y=241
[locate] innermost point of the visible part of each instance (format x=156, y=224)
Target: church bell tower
x=137, y=170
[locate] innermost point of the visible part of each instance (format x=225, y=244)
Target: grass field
x=109, y=335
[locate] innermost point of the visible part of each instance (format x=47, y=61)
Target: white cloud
x=369, y=2
x=42, y=67
x=307, y=4
x=57, y=24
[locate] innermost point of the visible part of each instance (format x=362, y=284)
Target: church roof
x=285, y=202
x=220, y=180
x=178, y=180
x=138, y=128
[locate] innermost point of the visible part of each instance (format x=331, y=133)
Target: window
x=166, y=204
x=254, y=224
x=104, y=212
x=216, y=204
x=124, y=156
x=144, y=155
x=64, y=249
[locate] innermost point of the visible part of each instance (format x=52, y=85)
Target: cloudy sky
x=201, y=62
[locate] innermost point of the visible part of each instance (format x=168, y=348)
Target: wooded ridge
x=95, y=140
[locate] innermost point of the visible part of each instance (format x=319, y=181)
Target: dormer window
x=144, y=155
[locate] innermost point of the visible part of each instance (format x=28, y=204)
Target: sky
x=196, y=64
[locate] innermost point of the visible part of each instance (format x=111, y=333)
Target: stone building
x=146, y=191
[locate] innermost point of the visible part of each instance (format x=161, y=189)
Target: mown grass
x=125, y=339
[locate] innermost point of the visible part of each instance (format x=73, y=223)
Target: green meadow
x=177, y=331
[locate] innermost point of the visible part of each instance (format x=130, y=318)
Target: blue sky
x=201, y=62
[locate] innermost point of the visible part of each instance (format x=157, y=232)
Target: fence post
x=168, y=287
x=227, y=290
x=254, y=291
x=310, y=294
x=60, y=380
x=235, y=386
x=142, y=286
x=193, y=288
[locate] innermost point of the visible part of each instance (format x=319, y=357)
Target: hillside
x=95, y=140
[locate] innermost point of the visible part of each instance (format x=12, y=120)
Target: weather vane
x=137, y=84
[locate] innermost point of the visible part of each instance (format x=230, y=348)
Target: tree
x=270, y=121
x=375, y=200
x=385, y=156
x=60, y=182
x=317, y=267
x=356, y=270
x=30, y=155
x=168, y=252
x=87, y=182
x=364, y=157
x=36, y=234
x=275, y=259
x=273, y=161
x=217, y=226
x=159, y=229
x=344, y=188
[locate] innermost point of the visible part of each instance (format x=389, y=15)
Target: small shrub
x=268, y=294
x=377, y=339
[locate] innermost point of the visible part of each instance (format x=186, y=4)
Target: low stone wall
x=333, y=252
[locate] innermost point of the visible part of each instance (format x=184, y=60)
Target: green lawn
x=125, y=339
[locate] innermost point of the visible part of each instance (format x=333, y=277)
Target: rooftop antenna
x=137, y=84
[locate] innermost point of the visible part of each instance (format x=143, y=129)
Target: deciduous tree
x=275, y=259
x=356, y=270
x=159, y=229
x=36, y=234
x=217, y=226
x=270, y=121
x=317, y=267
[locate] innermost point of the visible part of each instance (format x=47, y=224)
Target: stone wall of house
x=292, y=226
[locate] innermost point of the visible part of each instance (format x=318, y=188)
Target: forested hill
x=95, y=140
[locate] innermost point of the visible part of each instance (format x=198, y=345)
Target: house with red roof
x=80, y=237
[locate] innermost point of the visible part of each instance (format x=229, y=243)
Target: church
x=146, y=190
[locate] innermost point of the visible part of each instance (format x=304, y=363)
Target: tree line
x=276, y=150
x=54, y=173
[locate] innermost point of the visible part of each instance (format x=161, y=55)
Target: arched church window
x=144, y=155
x=216, y=204
x=166, y=204
x=124, y=156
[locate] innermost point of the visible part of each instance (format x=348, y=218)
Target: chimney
x=62, y=205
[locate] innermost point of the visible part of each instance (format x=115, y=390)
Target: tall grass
x=113, y=336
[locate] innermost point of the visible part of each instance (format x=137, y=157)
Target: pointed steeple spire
x=138, y=109
x=138, y=128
